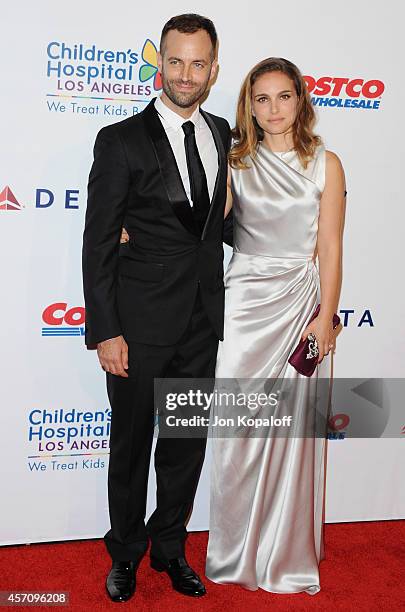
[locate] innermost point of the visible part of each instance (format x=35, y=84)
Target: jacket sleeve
x=227, y=234
x=108, y=189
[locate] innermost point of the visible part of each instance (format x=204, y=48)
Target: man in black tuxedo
x=155, y=305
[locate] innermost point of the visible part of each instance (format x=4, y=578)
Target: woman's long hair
x=248, y=133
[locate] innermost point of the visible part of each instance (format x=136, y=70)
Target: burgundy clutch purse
x=305, y=357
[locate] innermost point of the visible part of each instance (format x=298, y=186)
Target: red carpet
x=364, y=569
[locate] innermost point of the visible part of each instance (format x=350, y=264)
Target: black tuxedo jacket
x=145, y=289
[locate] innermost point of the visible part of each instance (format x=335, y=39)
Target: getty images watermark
x=196, y=398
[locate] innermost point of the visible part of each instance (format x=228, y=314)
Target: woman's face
x=274, y=102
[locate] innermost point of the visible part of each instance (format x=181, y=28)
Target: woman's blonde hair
x=248, y=133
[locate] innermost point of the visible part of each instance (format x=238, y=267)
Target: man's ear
x=159, y=62
x=214, y=69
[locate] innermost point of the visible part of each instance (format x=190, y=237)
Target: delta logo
x=8, y=201
x=44, y=198
x=345, y=92
x=63, y=320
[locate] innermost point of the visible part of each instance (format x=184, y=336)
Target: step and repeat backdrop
x=69, y=70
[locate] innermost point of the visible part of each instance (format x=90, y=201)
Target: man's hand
x=113, y=356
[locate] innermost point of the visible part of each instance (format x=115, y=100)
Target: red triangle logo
x=8, y=201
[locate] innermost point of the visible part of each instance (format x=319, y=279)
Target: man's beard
x=183, y=99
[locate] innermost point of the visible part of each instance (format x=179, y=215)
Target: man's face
x=186, y=66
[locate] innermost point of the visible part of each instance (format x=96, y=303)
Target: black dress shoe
x=184, y=579
x=121, y=581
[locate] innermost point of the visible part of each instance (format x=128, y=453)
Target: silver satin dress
x=267, y=494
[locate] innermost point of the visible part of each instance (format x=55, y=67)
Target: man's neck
x=183, y=112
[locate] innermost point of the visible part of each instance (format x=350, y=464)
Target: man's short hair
x=188, y=24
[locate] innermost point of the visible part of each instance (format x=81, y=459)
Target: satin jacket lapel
x=222, y=167
x=169, y=170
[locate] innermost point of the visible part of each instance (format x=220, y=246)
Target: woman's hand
x=124, y=236
x=322, y=329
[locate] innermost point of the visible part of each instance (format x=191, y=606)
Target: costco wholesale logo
x=60, y=320
x=8, y=201
x=344, y=92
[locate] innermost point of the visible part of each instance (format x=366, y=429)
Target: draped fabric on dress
x=267, y=494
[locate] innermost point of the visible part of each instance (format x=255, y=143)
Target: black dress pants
x=178, y=461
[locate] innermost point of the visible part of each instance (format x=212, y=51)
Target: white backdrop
x=55, y=489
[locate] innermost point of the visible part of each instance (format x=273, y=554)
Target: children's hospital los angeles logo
x=65, y=440
x=86, y=79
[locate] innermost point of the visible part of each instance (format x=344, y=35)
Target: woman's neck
x=279, y=142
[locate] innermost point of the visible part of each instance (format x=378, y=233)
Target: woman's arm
x=329, y=249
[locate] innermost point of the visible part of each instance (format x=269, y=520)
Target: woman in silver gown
x=287, y=192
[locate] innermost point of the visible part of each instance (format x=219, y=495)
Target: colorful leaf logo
x=150, y=68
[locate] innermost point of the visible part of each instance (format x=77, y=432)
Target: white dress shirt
x=172, y=123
